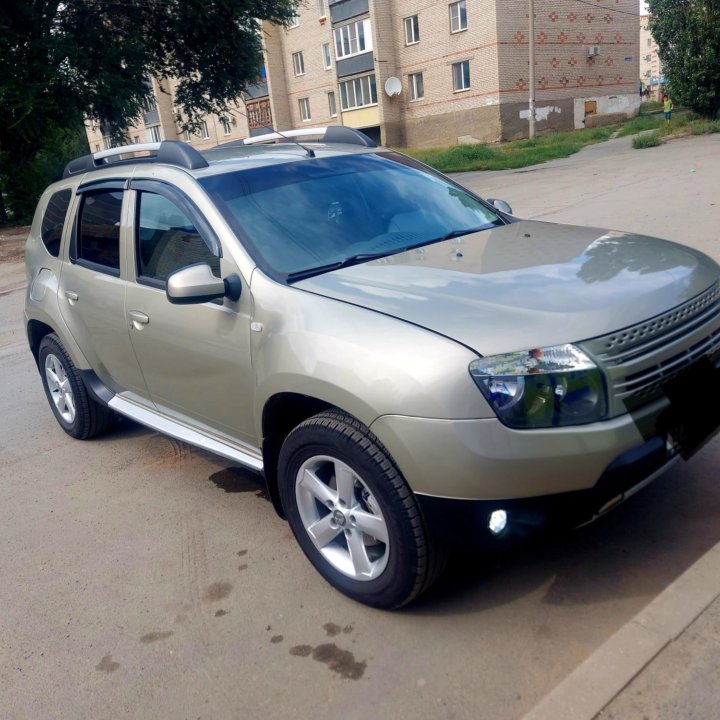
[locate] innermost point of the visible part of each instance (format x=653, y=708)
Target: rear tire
x=78, y=414
x=353, y=514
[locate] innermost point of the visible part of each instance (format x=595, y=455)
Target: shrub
x=646, y=141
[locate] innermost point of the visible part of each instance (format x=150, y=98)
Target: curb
x=584, y=693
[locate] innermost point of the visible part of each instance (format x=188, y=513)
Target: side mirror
x=501, y=205
x=197, y=284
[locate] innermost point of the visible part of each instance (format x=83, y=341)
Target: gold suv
x=409, y=365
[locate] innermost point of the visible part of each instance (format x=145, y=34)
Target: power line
x=609, y=9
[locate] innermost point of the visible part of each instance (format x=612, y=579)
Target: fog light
x=497, y=521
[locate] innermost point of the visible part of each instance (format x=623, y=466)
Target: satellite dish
x=393, y=86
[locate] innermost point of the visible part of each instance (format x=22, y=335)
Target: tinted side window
x=98, y=239
x=53, y=221
x=167, y=239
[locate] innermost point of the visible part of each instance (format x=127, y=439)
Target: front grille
x=640, y=359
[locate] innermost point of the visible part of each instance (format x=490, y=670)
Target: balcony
x=152, y=117
x=345, y=9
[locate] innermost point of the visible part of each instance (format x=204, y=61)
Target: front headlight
x=544, y=387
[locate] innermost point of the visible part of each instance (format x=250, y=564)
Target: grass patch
x=523, y=153
x=511, y=155
x=705, y=127
x=640, y=124
x=651, y=106
x=646, y=141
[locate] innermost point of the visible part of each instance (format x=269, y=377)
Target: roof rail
x=170, y=152
x=329, y=134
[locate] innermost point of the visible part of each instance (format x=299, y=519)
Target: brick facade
x=461, y=83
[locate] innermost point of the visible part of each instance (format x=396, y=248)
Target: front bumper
x=485, y=460
x=461, y=471
x=464, y=523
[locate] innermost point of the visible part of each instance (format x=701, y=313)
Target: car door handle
x=138, y=319
x=72, y=296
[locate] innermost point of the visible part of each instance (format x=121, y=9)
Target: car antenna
x=309, y=151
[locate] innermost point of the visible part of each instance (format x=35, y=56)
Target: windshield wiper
x=345, y=262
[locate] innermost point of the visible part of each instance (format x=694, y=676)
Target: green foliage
x=705, y=127
x=688, y=36
x=641, y=123
x=646, y=141
x=65, y=60
x=515, y=154
x=649, y=107
x=26, y=184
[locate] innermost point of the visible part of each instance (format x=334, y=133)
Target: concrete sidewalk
x=662, y=665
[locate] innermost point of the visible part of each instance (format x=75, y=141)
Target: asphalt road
x=142, y=578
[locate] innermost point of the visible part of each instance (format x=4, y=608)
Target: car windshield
x=317, y=214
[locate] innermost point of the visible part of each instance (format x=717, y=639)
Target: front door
x=195, y=358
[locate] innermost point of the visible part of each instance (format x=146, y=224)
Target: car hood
x=524, y=285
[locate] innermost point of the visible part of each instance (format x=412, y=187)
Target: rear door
x=92, y=286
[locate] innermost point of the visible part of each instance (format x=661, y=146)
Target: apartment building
x=419, y=73
x=428, y=72
x=249, y=116
x=650, y=66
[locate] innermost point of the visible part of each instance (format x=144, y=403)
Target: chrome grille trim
x=640, y=359
x=639, y=384
x=662, y=323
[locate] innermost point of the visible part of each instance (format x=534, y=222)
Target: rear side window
x=53, y=221
x=98, y=237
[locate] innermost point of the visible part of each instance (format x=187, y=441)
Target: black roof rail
x=170, y=152
x=329, y=134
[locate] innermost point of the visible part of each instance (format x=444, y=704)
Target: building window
x=304, y=104
x=412, y=30
x=154, y=134
x=327, y=59
x=187, y=136
x=417, y=90
x=205, y=133
x=461, y=75
x=458, y=16
x=321, y=8
x=149, y=103
x=97, y=148
x=332, y=106
x=358, y=92
x=298, y=63
x=226, y=126
x=294, y=21
x=353, y=39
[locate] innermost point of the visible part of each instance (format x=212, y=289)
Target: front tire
x=78, y=414
x=353, y=514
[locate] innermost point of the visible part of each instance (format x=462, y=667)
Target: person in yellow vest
x=667, y=108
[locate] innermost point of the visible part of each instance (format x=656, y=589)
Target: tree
x=67, y=60
x=688, y=36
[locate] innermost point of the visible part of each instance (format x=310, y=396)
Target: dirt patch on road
x=12, y=243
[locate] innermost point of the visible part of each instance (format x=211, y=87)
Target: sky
x=643, y=7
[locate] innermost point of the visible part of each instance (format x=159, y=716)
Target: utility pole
x=531, y=74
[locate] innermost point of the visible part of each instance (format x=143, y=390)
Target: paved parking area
x=142, y=578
